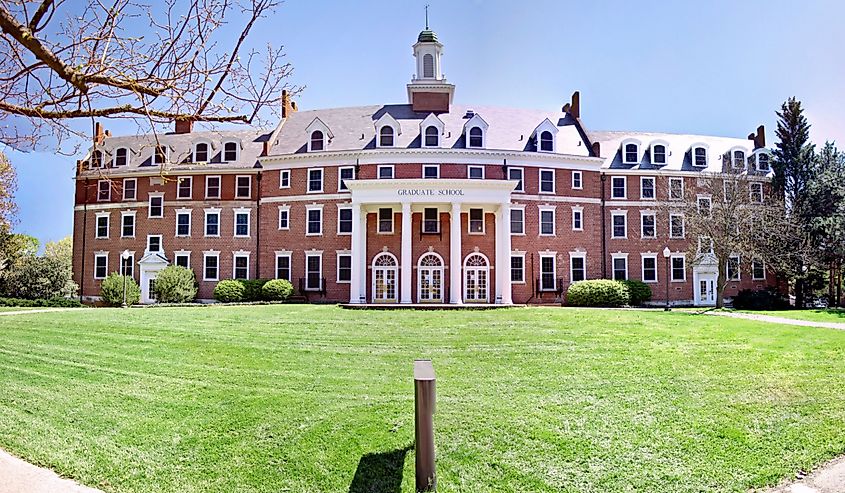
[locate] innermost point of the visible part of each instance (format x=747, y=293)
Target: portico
x=471, y=247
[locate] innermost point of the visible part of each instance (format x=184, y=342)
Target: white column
x=503, y=255
x=359, y=232
x=455, y=257
x=405, y=277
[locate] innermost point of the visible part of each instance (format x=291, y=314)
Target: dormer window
x=121, y=156
x=160, y=155
x=658, y=154
x=476, y=137
x=319, y=135
x=699, y=156
x=201, y=152
x=547, y=141
x=738, y=159
x=763, y=162
x=385, y=137
x=97, y=159
x=544, y=136
x=632, y=152
x=317, y=140
x=230, y=152
x=432, y=136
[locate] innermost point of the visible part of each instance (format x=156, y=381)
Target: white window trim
x=248, y=212
x=378, y=135
x=472, y=167
x=698, y=200
x=341, y=207
x=545, y=125
x=282, y=173
x=166, y=155
x=540, y=181
x=160, y=244
x=553, y=210
x=135, y=188
x=475, y=122
x=308, y=180
x=340, y=170
x=134, y=223
x=653, y=187
x=635, y=142
x=338, y=254
x=469, y=137
x=432, y=121
x=190, y=180
x=644, y=256
x=205, y=255
x=237, y=179
x=751, y=187
x=581, y=255
x=208, y=152
x=101, y=255
x=580, y=176
x=318, y=124
x=642, y=225
x=669, y=190
x=757, y=154
x=190, y=221
x=510, y=266
x=392, y=221
x=576, y=209
x=552, y=256
x=520, y=188
x=289, y=255
x=182, y=253
x=483, y=221
x=614, y=214
x=520, y=208
x=120, y=265
x=738, y=277
x=752, y=271
x=386, y=166
x=99, y=187
x=235, y=255
x=435, y=166
x=223, y=151
x=308, y=209
x=101, y=215
x=114, y=157
x=666, y=154
x=219, y=187
x=683, y=226
x=286, y=209
x=672, y=267
x=213, y=210
x=313, y=253
x=613, y=257
x=153, y=195
x=700, y=145
x=422, y=222
x=745, y=155
x=624, y=187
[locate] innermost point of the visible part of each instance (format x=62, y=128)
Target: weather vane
x=426, y=15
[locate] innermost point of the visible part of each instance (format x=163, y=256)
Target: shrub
x=639, y=292
x=229, y=291
x=252, y=289
x=39, y=278
x=598, y=292
x=42, y=302
x=766, y=299
x=111, y=290
x=175, y=284
x=277, y=290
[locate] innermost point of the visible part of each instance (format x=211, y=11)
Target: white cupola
x=428, y=91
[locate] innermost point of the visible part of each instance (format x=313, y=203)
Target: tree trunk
x=799, y=293
x=721, y=282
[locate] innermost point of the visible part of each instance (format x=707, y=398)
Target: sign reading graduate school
x=428, y=192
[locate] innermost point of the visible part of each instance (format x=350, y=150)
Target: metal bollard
x=424, y=407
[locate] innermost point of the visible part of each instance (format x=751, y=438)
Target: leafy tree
x=8, y=187
x=175, y=284
x=39, y=277
x=111, y=290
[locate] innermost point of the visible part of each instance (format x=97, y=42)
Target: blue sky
x=717, y=67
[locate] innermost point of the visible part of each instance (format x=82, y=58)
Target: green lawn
x=835, y=315
x=319, y=399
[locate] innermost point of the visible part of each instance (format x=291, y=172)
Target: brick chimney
x=184, y=126
x=597, y=149
x=573, y=107
x=759, y=138
x=99, y=134
x=288, y=106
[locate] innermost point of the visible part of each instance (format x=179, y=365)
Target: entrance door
x=430, y=274
x=706, y=291
x=385, y=272
x=476, y=278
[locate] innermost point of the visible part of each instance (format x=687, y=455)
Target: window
x=127, y=227
x=160, y=155
x=676, y=226
x=385, y=172
x=517, y=175
x=201, y=152
x=730, y=187
x=679, y=270
x=648, y=227
x=758, y=270
x=676, y=188
x=102, y=226
x=432, y=136
x=183, y=223
x=547, y=142
x=242, y=223
x=428, y=66
x=101, y=265
x=632, y=152
x=649, y=268
x=385, y=136
x=476, y=221
x=547, y=273
x=577, y=219
x=283, y=266
x=315, y=180
x=243, y=187
x=313, y=272
x=431, y=220
x=732, y=268
x=547, y=222
x=156, y=207
x=314, y=223
x=647, y=188
x=577, y=267
x=431, y=171
x=756, y=192
x=517, y=221
x=738, y=159
x=343, y=174
x=577, y=180
x=699, y=156
x=475, y=172
x=211, y=266
x=154, y=243
x=103, y=190
x=517, y=268
x=316, y=140
x=130, y=189
x=705, y=245
x=658, y=154
x=183, y=189
x=618, y=187
x=230, y=152
x=344, y=221
x=127, y=265
x=385, y=220
x=705, y=205
x=620, y=225
x=547, y=181
x=284, y=217
x=476, y=137
x=763, y=162
x=344, y=267
x=240, y=266
x=620, y=267
x=212, y=187
x=182, y=259
x=97, y=159
x=212, y=222
x=284, y=178
x=121, y=156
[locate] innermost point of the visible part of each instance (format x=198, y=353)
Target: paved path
x=830, y=478
x=17, y=476
x=779, y=320
x=38, y=310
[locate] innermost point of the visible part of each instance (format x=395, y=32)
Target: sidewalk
x=829, y=478
x=779, y=320
x=22, y=477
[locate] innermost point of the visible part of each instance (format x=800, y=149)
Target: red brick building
x=423, y=202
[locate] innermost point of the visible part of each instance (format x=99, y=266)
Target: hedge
x=252, y=289
x=598, y=292
x=277, y=290
x=175, y=284
x=56, y=301
x=639, y=292
x=229, y=291
x=111, y=290
x=766, y=299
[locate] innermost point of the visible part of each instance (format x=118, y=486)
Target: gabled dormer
x=432, y=129
x=475, y=131
x=545, y=136
x=387, y=130
x=659, y=152
x=319, y=135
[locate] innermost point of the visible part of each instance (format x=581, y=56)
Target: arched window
x=631, y=153
x=430, y=278
x=476, y=278
x=316, y=140
x=432, y=136
x=739, y=159
x=475, y=137
x=201, y=153
x=97, y=159
x=428, y=65
x=700, y=156
x=160, y=155
x=121, y=156
x=230, y=152
x=546, y=141
x=763, y=162
x=385, y=272
x=385, y=136
x=659, y=154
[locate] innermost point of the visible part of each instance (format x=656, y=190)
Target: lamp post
x=666, y=254
x=124, y=257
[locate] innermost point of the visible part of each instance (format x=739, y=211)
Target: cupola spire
x=428, y=91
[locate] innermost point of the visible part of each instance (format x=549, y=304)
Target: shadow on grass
x=380, y=472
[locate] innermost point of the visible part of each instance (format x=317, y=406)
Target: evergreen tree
x=825, y=209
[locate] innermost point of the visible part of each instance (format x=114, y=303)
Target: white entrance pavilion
x=410, y=196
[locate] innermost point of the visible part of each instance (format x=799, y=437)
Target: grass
x=835, y=315
x=319, y=399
